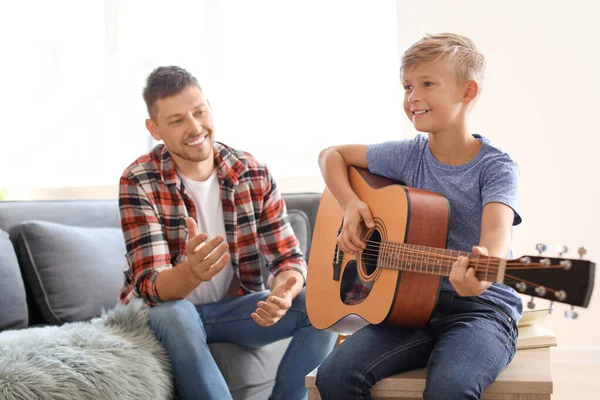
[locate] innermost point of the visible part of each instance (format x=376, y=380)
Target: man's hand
x=277, y=304
x=349, y=238
x=206, y=259
x=463, y=279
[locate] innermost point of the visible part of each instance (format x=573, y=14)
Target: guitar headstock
x=564, y=280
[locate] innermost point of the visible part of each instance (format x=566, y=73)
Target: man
x=208, y=287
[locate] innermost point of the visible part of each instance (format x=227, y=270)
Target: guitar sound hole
x=371, y=253
x=352, y=289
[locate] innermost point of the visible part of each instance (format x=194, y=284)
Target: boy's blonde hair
x=459, y=51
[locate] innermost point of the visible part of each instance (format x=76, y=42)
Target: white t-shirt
x=209, y=212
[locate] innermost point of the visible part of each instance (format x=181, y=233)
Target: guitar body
x=339, y=284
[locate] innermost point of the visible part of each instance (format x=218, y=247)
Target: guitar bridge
x=338, y=255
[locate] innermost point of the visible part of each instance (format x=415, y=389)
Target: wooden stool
x=527, y=377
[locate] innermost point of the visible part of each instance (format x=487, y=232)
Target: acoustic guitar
x=396, y=279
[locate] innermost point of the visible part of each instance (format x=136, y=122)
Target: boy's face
x=184, y=123
x=433, y=99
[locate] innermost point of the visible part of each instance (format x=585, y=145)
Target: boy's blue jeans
x=464, y=347
x=185, y=331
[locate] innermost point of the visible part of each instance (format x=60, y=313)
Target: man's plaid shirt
x=153, y=204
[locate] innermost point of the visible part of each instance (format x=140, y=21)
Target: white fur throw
x=115, y=356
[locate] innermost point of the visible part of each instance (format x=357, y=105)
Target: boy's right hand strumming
x=334, y=163
x=355, y=212
x=206, y=259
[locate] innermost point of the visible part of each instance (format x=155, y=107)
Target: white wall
x=285, y=79
x=293, y=77
x=540, y=104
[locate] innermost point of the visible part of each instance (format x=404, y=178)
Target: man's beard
x=187, y=157
x=192, y=154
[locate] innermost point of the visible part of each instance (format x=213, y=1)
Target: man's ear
x=471, y=92
x=153, y=129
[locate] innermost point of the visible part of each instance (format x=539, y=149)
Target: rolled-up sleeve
x=278, y=243
x=145, y=241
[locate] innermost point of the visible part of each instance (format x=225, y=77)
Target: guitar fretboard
x=435, y=261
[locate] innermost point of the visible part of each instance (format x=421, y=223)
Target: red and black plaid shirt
x=154, y=203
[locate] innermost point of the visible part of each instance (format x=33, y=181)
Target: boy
x=471, y=336
x=196, y=214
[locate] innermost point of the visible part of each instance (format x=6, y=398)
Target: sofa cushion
x=249, y=372
x=73, y=272
x=12, y=291
x=301, y=226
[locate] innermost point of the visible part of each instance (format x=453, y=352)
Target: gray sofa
x=62, y=261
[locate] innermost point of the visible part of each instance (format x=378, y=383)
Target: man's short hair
x=164, y=82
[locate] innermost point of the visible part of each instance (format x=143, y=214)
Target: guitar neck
x=435, y=261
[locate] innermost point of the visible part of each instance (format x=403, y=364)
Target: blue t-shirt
x=492, y=176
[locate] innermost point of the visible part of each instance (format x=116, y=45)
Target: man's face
x=433, y=99
x=184, y=123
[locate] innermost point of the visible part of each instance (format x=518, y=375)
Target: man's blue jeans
x=464, y=347
x=185, y=331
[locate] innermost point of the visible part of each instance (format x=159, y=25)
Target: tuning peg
x=582, y=251
x=531, y=304
x=541, y=291
x=561, y=250
x=571, y=314
x=566, y=264
x=551, y=308
x=541, y=247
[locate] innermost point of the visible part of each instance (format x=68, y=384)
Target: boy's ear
x=471, y=92
x=153, y=129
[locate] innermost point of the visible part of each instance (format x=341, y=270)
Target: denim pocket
x=508, y=322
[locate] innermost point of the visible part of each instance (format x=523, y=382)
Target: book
x=532, y=316
x=534, y=336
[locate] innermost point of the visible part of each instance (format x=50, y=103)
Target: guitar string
x=448, y=261
x=508, y=279
x=479, y=266
x=515, y=279
x=396, y=251
x=403, y=251
x=447, y=267
x=406, y=249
